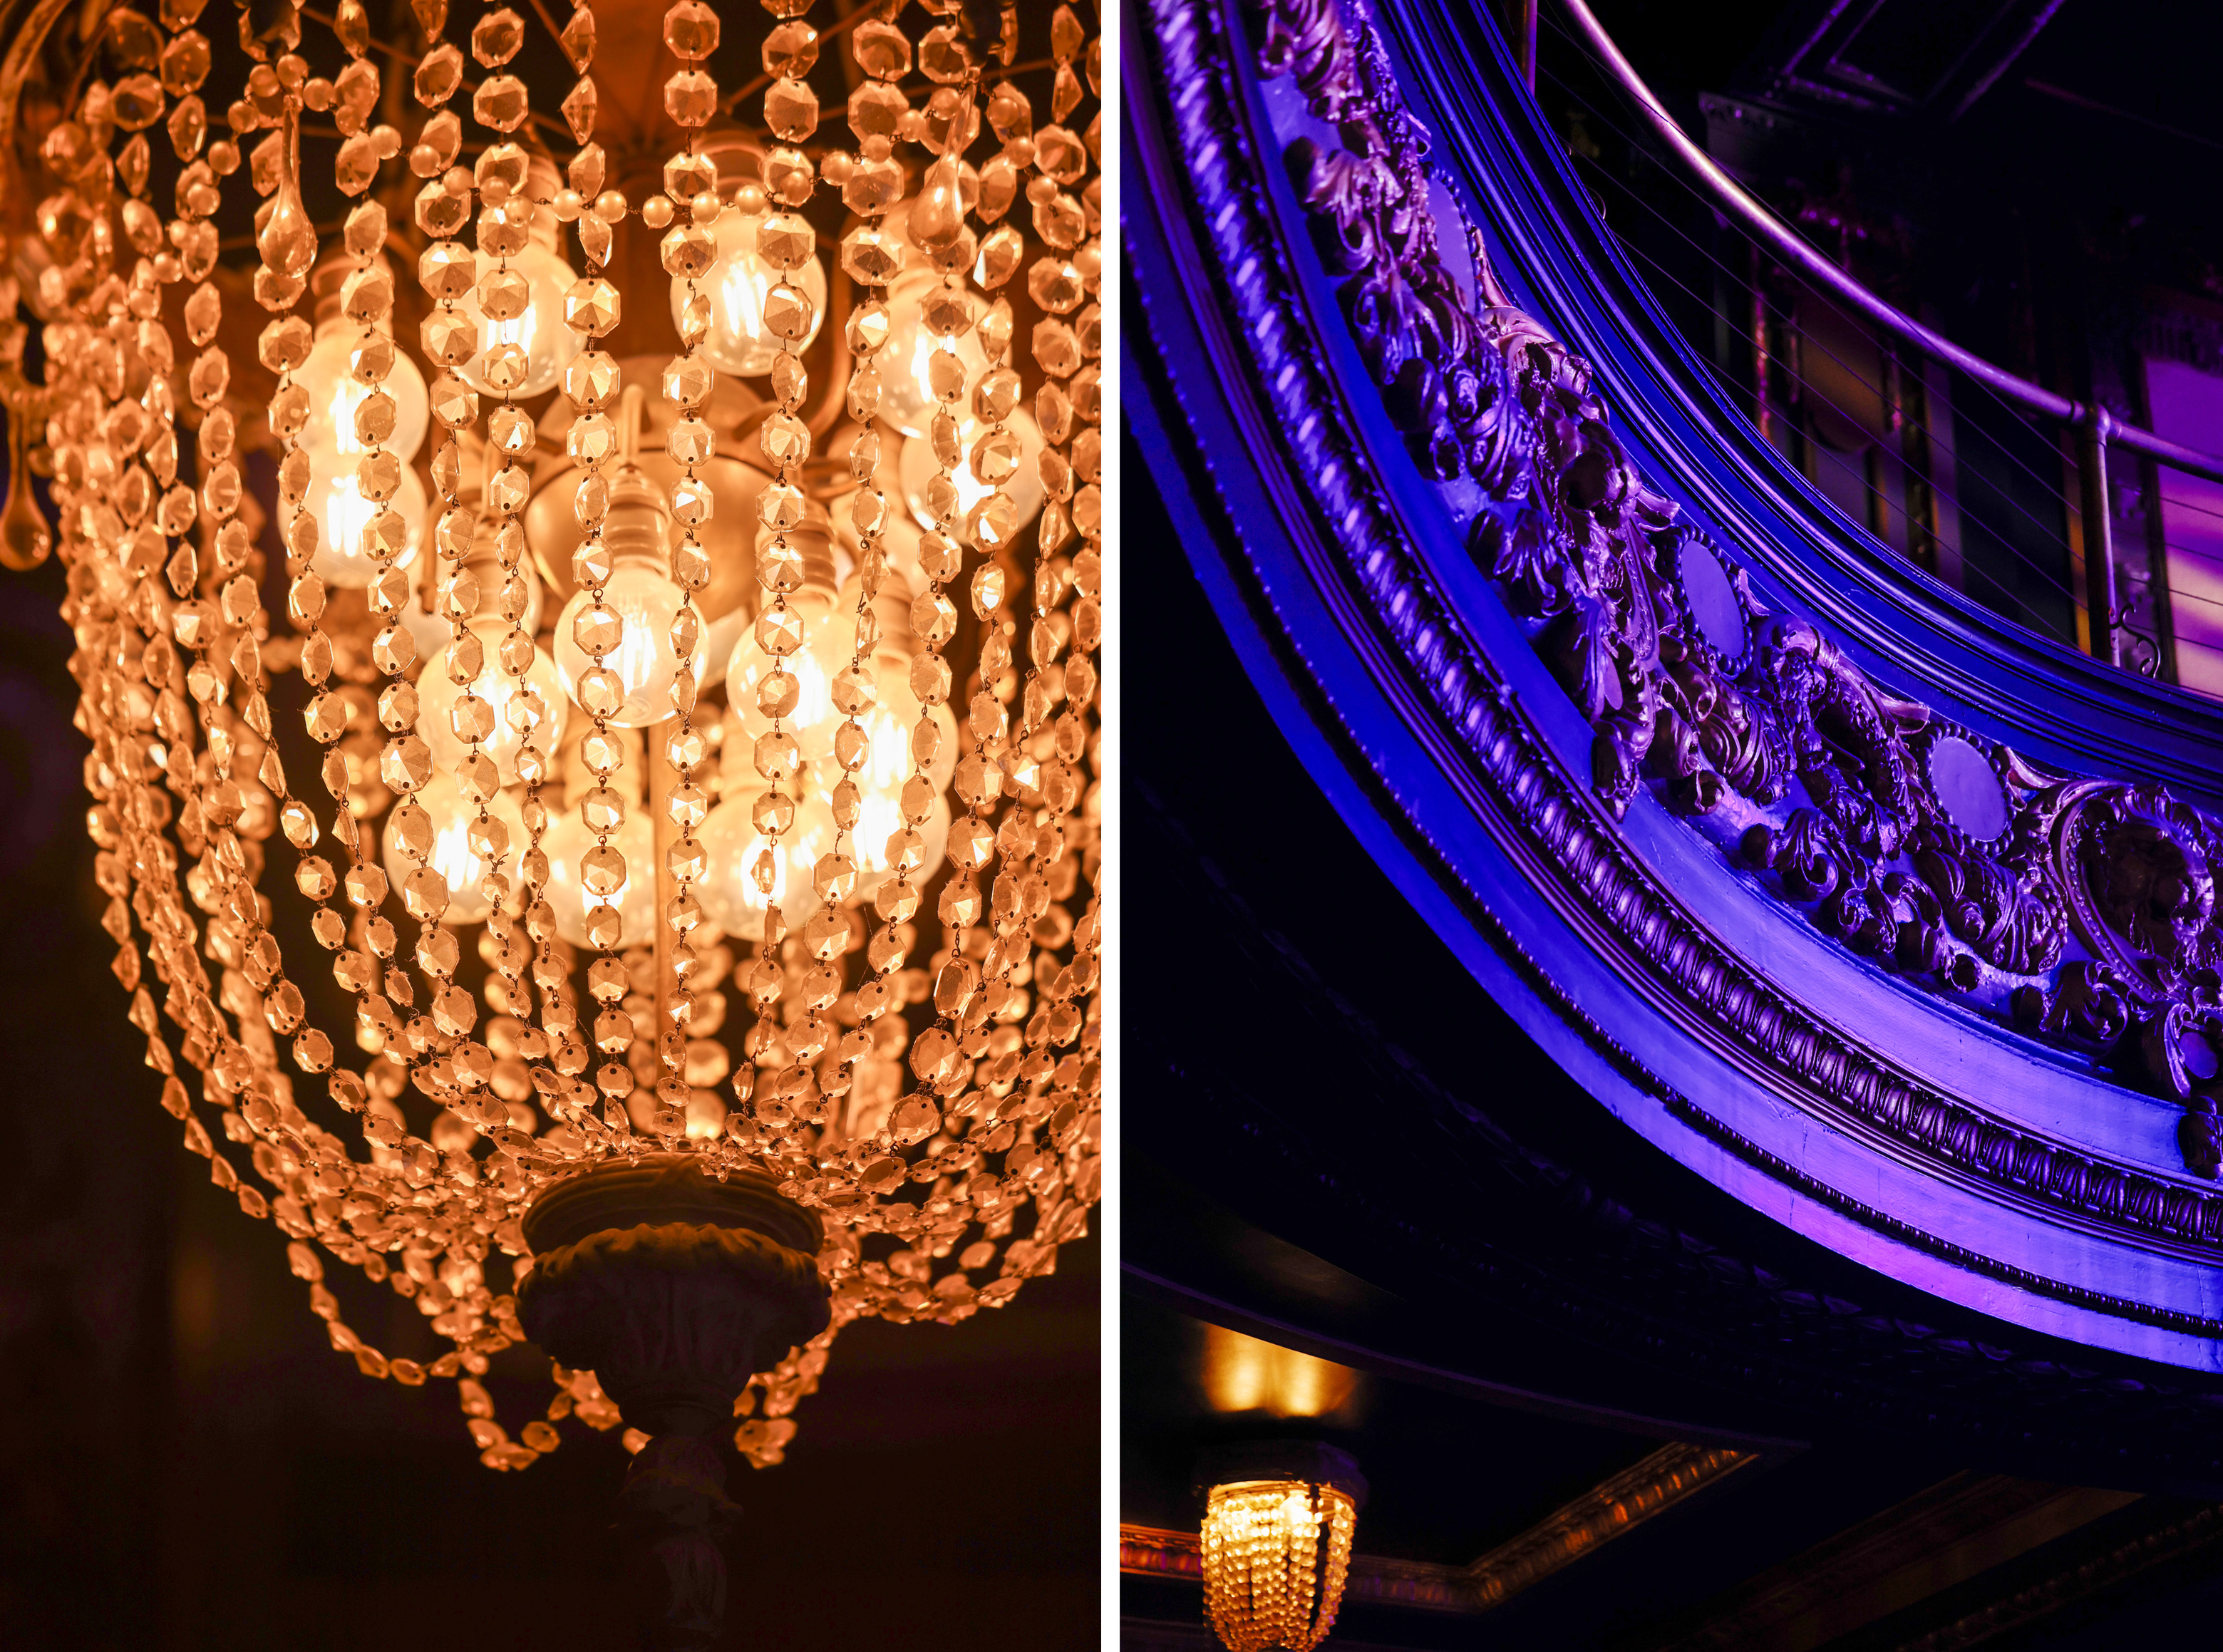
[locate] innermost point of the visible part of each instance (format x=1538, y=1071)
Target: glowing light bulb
x=733, y=845
x=879, y=786
x=907, y=399
x=738, y=284
x=507, y=698
x=464, y=849
x=342, y=514
x=328, y=374
x=535, y=344
x=880, y=814
x=616, y=658
x=566, y=843
x=829, y=644
x=1012, y=460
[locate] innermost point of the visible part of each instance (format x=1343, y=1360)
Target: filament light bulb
x=464, y=848
x=733, y=847
x=535, y=344
x=343, y=513
x=566, y=843
x=829, y=644
x=328, y=375
x=907, y=399
x=739, y=285
x=616, y=656
x=1013, y=459
x=536, y=699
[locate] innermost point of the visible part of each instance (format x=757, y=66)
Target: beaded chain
x=864, y=463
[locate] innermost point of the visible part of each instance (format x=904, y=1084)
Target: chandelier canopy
x=585, y=613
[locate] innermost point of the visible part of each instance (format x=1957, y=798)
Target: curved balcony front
x=1892, y=921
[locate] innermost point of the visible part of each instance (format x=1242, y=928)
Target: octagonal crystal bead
x=593, y=307
x=590, y=378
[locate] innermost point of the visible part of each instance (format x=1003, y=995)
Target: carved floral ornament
x=2081, y=911
x=774, y=847
x=1351, y=541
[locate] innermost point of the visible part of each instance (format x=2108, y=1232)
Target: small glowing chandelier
x=1276, y=1542
x=586, y=620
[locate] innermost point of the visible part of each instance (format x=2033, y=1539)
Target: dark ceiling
x=2092, y=127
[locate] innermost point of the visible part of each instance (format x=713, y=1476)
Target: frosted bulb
x=738, y=283
x=505, y=697
x=828, y=644
x=919, y=473
x=342, y=513
x=455, y=855
x=327, y=376
x=644, y=599
x=732, y=844
x=907, y=400
x=567, y=840
x=541, y=332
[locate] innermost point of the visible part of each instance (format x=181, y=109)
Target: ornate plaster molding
x=2087, y=917
x=2082, y=910
x=1611, y=1509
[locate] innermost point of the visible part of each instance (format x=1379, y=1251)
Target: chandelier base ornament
x=674, y=1289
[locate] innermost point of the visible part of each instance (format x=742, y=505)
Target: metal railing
x=2096, y=429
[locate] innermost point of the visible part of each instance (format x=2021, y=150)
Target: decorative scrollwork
x=2090, y=918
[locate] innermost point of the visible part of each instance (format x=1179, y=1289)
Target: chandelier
x=586, y=615
x=1275, y=1545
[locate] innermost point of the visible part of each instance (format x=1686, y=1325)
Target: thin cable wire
x=2018, y=415
x=1582, y=47
x=2052, y=488
x=1883, y=499
x=2050, y=530
x=1784, y=314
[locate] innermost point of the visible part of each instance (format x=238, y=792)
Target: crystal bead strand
x=563, y=1099
x=131, y=709
x=592, y=308
x=502, y=104
x=784, y=240
x=504, y=229
x=691, y=97
x=447, y=271
x=242, y=1077
x=213, y=805
x=590, y=378
x=994, y=462
x=591, y=384
x=450, y=340
x=367, y=297
x=1061, y=282
x=141, y=438
x=872, y=256
x=937, y=226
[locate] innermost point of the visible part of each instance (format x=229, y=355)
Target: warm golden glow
x=1241, y=1373
x=1276, y=1554
x=904, y=1014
